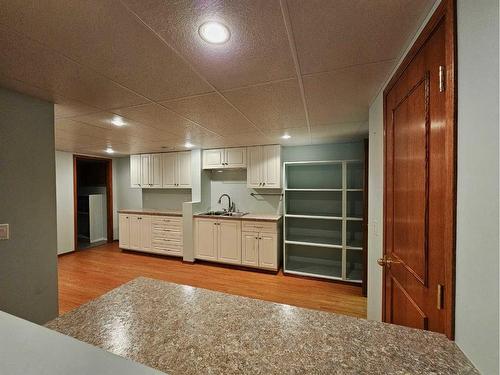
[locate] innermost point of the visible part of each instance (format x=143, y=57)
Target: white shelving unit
x=323, y=219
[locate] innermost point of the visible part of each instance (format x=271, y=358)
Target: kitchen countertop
x=29, y=349
x=249, y=217
x=180, y=329
x=150, y=211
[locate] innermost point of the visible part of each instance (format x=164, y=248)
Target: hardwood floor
x=87, y=274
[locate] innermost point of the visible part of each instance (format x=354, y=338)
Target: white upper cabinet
x=264, y=167
x=225, y=158
x=135, y=171
x=167, y=170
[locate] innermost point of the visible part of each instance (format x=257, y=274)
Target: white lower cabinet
x=151, y=233
x=252, y=243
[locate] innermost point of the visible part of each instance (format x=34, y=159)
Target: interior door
x=419, y=183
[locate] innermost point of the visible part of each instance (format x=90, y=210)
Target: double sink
x=224, y=213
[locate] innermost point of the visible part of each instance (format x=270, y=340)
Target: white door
x=135, y=232
x=213, y=159
x=135, y=171
x=145, y=180
x=184, y=169
x=124, y=231
x=236, y=157
x=155, y=170
x=229, y=241
x=250, y=249
x=268, y=250
x=271, y=166
x=205, y=240
x=254, y=178
x=169, y=166
x=145, y=232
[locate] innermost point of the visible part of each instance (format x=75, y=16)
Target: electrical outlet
x=4, y=231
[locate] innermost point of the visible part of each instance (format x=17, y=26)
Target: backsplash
x=234, y=183
x=163, y=199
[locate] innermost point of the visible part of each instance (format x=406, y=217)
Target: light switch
x=4, y=231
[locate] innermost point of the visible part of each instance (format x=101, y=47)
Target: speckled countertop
x=180, y=329
x=150, y=211
x=248, y=217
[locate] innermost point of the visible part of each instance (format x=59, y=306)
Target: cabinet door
x=268, y=250
x=213, y=159
x=145, y=179
x=155, y=170
x=145, y=232
x=184, y=169
x=250, y=249
x=135, y=171
x=124, y=231
x=254, y=177
x=236, y=157
x=205, y=240
x=135, y=232
x=169, y=166
x=271, y=166
x=229, y=250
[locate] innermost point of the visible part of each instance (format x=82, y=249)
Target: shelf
x=357, y=248
x=354, y=175
x=354, y=218
x=354, y=204
x=314, y=261
x=317, y=231
x=316, y=217
x=354, y=265
x=309, y=243
x=316, y=189
x=354, y=234
x=316, y=203
x=314, y=176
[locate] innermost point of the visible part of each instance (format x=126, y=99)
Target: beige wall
x=28, y=260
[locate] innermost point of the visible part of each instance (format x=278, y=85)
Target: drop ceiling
x=305, y=68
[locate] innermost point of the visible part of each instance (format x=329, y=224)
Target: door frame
x=109, y=195
x=445, y=12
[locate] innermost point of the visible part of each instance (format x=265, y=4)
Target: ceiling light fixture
x=214, y=32
x=109, y=150
x=188, y=144
x=117, y=121
x=286, y=136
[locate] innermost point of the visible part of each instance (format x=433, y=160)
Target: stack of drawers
x=167, y=235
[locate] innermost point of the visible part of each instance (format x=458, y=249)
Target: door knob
x=386, y=261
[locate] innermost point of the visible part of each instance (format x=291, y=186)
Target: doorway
x=420, y=180
x=93, y=201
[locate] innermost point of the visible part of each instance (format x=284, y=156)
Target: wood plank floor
x=87, y=274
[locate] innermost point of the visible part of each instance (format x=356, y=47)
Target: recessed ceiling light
x=286, y=136
x=117, y=121
x=214, y=32
x=188, y=144
x=109, y=150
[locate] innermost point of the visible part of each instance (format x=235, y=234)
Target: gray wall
x=476, y=313
x=28, y=261
x=126, y=196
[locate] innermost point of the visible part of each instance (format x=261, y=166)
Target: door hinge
x=440, y=295
x=442, y=77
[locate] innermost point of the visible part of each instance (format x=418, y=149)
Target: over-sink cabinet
x=165, y=170
x=264, y=167
x=247, y=243
x=221, y=158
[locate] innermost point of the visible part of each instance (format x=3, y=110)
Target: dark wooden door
x=419, y=176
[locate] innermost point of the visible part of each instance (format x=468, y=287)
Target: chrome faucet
x=230, y=206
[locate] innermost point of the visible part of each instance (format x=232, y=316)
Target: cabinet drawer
x=160, y=243
x=167, y=236
x=259, y=226
x=169, y=220
x=175, y=251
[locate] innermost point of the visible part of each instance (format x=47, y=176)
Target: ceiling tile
x=105, y=36
x=258, y=50
x=27, y=61
x=275, y=105
x=336, y=34
x=345, y=95
x=297, y=136
x=70, y=108
x=246, y=139
x=212, y=112
x=338, y=132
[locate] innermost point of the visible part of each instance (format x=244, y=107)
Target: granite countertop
x=150, y=211
x=248, y=217
x=180, y=329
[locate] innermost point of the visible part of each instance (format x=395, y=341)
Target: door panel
x=184, y=169
x=145, y=232
x=135, y=170
x=213, y=158
x=169, y=165
x=229, y=241
x=145, y=171
x=254, y=175
x=419, y=185
x=135, y=236
x=124, y=231
x=236, y=157
x=272, y=166
x=155, y=170
x=250, y=249
x=268, y=253
x=206, y=239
